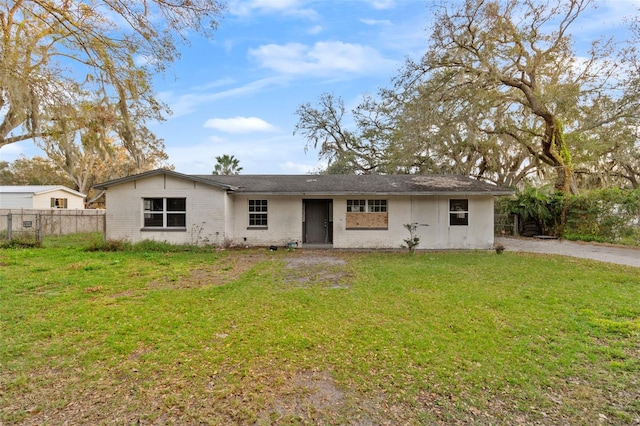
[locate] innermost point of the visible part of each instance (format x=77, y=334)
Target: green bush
x=606, y=215
x=21, y=242
x=540, y=205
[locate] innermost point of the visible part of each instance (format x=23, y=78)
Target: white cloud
x=240, y=125
x=291, y=167
x=13, y=151
x=323, y=58
x=186, y=103
x=287, y=7
x=372, y=22
x=316, y=29
x=382, y=4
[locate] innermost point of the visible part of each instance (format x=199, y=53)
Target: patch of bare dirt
x=315, y=268
x=304, y=396
x=219, y=273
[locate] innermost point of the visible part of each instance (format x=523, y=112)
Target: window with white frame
x=165, y=213
x=356, y=206
x=58, y=203
x=258, y=213
x=459, y=212
x=377, y=206
x=366, y=206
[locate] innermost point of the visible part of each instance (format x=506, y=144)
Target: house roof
x=37, y=189
x=357, y=184
x=335, y=184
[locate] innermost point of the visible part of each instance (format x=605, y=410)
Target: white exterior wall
x=432, y=215
x=205, y=210
x=284, y=221
x=17, y=200
x=399, y=213
x=434, y=211
x=43, y=201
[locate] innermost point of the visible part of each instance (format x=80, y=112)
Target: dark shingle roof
x=333, y=184
x=356, y=184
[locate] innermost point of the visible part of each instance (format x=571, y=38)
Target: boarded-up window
x=367, y=214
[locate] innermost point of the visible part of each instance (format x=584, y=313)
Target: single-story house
x=40, y=197
x=340, y=211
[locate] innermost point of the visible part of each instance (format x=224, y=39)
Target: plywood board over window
x=367, y=220
x=367, y=214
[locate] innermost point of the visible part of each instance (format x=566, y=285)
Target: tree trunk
x=558, y=156
x=556, y=151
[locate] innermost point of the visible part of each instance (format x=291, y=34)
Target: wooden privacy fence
x=37, y=224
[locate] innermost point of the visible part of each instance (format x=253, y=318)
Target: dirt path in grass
x=603, y=252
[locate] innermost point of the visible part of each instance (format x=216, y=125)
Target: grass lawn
x=315, y=337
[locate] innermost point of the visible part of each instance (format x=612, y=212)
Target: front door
x=318, y=224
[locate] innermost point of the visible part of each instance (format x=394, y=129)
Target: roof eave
x=120, y=181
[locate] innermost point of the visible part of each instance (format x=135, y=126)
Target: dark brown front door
x=318, y=226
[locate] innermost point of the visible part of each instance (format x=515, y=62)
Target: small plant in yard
x=499, y=248
x=413, y=241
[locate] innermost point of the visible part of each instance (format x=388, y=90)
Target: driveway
x=602, y=252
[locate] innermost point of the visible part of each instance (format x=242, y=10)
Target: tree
x=90, y=147
x=499, y=95
x=227, y=165
x=54, y=53
x=518, y=54
x=441, y=132
x=33, y=171
x=347, y=151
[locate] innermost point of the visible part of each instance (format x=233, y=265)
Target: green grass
x=240, y=337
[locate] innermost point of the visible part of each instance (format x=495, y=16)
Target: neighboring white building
x=40, y=197
x=341, y=211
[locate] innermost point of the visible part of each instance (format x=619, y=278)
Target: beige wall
x=205, y=211
x=40, y=201
x=43, y=201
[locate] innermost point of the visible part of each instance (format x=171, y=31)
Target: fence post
x=9, y=224
x=515, y=225
x=39, y=228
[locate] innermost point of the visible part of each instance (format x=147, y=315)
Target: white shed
x=40, y=197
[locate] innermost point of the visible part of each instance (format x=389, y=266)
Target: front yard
x=316, y=337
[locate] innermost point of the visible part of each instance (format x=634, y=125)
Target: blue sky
x=237, y=94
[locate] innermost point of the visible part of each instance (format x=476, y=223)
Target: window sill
x=258, y=227
x=159, y=228
x=367, y=229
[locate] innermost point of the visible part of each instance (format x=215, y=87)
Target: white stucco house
x=40, y=197
x=339, y=211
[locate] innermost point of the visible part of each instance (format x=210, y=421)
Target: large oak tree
x=519, y=55
x=55, y=54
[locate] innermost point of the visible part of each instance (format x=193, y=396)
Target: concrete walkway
x=602, y=252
